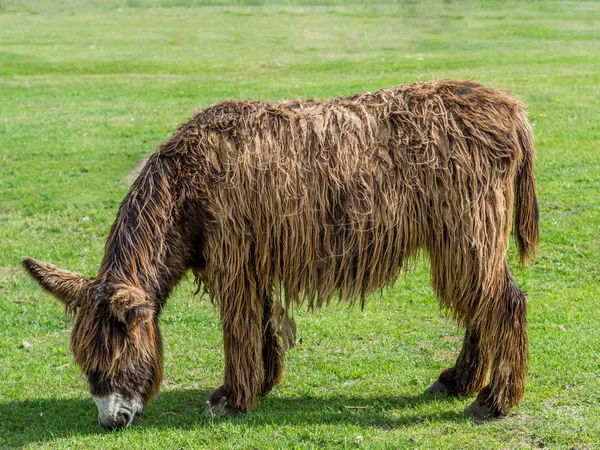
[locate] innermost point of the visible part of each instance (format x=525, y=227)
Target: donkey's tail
x=526, y=229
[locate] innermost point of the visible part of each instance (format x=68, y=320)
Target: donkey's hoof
x=217, y=410
x=481, y=412
x=438, y=388
x=219, y=404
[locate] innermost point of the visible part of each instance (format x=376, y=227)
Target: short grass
x=88, y=88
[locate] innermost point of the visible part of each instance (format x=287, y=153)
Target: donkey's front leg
x=244, y=367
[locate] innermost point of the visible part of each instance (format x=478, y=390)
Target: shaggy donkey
x=275, y=205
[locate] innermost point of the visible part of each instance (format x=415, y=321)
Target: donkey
x=275, y=205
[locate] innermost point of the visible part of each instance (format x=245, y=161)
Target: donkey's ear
x=131, y=305
x=67, y=286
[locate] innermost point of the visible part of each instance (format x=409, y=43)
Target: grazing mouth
x=116, y=412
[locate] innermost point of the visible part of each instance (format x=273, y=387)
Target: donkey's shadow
x=47, y=419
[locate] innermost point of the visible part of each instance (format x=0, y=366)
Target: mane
x=137, y=247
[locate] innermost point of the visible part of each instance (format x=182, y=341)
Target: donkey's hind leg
x=504, y=330
x=469, y=374
x=457, y=280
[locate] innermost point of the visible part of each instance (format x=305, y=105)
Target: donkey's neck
x=145, y=247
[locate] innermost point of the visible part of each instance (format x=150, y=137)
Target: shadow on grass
x=46, y=419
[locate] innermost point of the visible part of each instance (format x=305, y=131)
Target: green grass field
x=88, y=88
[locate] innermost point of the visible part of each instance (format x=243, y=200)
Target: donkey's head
x=115, y=339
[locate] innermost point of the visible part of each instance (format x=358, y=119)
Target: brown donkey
x=272, y=205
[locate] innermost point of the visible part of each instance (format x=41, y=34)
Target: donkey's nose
x=115, y=411
x=121, y=419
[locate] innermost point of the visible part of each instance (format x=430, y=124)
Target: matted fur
x=275, y=205
x=308, y=198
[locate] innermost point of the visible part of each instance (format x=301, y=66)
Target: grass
x=89, y=88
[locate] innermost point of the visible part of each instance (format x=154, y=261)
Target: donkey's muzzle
x=115, y=412
x=121, y=420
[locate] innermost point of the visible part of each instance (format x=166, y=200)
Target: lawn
x=89, y=88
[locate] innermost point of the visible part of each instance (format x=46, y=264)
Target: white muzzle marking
x=114, y=411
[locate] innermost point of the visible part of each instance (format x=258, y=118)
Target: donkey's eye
x=99, y=383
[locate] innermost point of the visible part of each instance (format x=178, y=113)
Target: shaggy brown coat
x=275, y=205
